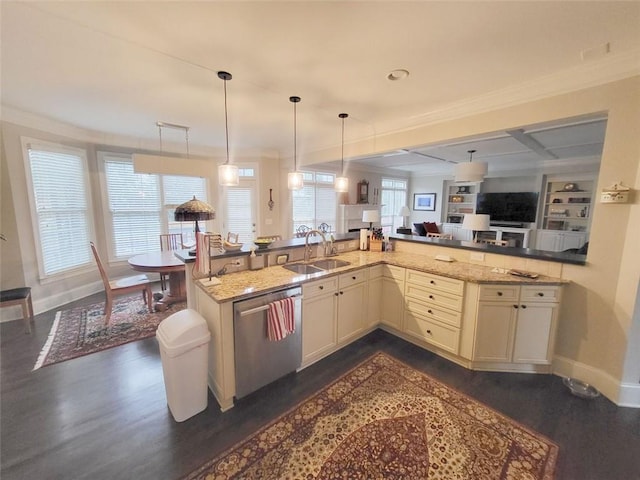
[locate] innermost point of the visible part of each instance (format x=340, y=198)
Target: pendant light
x=342, y=182
x=470, y=172
x=294, y=179
x=227, y=173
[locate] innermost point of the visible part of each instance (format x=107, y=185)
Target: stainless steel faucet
x=307, y=247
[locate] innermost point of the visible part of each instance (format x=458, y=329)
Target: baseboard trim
x=622, y=394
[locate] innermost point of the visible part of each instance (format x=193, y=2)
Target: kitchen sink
x=303, y=268
x=329, y=263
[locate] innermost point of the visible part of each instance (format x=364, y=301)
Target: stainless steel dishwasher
x=260, y=361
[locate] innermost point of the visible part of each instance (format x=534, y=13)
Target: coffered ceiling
x=116, y=68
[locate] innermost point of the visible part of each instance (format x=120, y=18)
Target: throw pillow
x=420, y=229
x=431, y=227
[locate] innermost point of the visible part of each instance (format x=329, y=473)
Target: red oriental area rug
x=81, y=330
x=385, y=420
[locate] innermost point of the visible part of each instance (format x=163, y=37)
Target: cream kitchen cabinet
x=392, y=303
x=319, y=320
x=374, y=296
x=557, y=241
x=433, y=309
x=333, y=313
x=515, y=324
x=352, y=295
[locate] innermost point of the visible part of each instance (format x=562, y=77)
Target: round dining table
x=165, y=262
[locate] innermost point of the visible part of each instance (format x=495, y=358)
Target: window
x=240, y=201
x=140, y=206
x=315, y=203
x=61, y=206
x=393, y=197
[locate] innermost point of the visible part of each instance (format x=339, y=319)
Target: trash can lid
x=182, y=331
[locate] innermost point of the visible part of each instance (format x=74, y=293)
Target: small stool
x=19, y=296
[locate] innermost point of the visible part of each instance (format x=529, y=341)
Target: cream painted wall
x=595, y=330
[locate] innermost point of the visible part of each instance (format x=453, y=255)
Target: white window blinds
x=240, y=217
x=62, y=208
x=315, y=203
x=393, y=196
x=140, y=206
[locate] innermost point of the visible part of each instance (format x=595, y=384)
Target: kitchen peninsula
x=471, y=312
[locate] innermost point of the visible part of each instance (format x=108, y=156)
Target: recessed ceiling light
x=399, y=74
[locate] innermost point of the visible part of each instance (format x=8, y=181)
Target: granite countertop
x=247, y=283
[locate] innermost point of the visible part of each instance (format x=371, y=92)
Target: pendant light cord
x=342, y=116
x=295, y=137
x=226, y=121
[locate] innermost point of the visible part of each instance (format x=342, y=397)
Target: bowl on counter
x=262, y=243
x=231, y=247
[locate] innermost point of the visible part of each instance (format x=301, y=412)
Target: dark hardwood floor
x=104, y=416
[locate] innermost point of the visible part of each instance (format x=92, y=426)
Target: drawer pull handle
x=429, y=332
x=321, y=287
x=540, y=294
x=499, y=294
x=431, y=297
x=515, y=306
x=429, y=311
x=354, y=277
x=432, y=282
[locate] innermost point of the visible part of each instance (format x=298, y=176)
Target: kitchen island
x=476, y=315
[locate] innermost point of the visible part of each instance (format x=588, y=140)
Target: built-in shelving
x=567, y=205
x=461, y=199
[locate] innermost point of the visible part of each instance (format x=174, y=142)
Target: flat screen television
x=508, y=207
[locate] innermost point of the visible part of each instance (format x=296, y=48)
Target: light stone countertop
x=247, y=283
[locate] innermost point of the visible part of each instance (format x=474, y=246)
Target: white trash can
x=184, y=339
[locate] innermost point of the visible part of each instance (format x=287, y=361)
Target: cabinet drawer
x=351, y=278
x=499, y=293
x=542, y=293
x=436, y=297
x=320, y=287
x=393, y=272
x=444, y=284
x=442, y=336
x=434, y=312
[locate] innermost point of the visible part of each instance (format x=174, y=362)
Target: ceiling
x=119, y=67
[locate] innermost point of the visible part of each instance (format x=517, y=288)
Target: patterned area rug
x=385, y=420
x=81, y=330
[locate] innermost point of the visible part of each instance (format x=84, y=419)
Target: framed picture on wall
x=424, y=201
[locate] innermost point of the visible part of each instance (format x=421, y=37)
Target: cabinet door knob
x=354, y=277
x=432, y=282
x=429, y=311
x=321, y=287
x=431, y=297
x=499, y=294
x=336, y=294
x=540, y=294
x=515, y=306
x=341, y=293
x=523, y=306
x=429, y=332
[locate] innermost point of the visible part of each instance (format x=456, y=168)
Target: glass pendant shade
x=294, y=181
x=228, y=175
x=342, y=184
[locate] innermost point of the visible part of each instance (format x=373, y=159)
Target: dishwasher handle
x=261, y=308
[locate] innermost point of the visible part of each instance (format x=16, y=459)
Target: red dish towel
x=281, y=319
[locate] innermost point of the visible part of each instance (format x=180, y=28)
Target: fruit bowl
x=263, y=243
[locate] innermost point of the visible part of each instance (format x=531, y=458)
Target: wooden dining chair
x=169, y=241
x=122, y=286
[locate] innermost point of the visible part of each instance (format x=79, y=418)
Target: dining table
x=165, y=262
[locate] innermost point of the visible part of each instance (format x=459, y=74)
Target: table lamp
x=194, y=210
x=404, y=213
x=477, y=223
x=370, y=217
